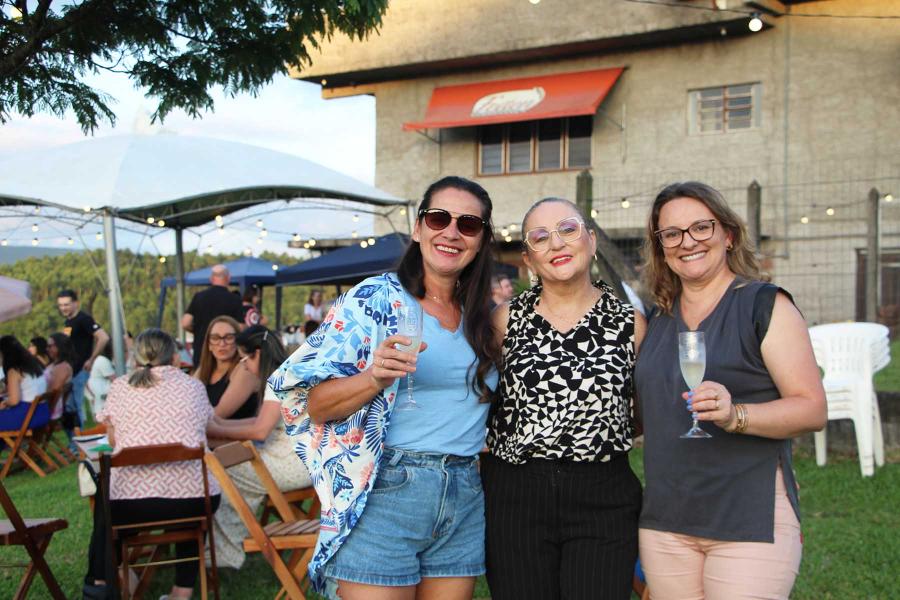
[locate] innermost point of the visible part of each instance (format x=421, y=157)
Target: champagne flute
x=692, y=360
x=409, y=324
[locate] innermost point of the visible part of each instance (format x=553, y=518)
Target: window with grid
x=725, y=108
x=533, y=146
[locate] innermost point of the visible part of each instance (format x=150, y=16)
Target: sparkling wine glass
x=409, y=324
x=692, y=360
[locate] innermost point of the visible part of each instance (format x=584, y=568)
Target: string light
x=312, y=242
x=513, y=227
x=259, y=223
x=504, y=232
x=354, y=234
x=161, y=223
x=829, y=211
x=755, y=23
x=151, y=220
x=70, y=241
x=34, y=227
x=508, y=238
x=99, y=236
x=888, y=197
x=259, y=240
x=306, y=245
x=402, y=212
x=248, y=251
x=34, y=242
x=37, y=209
x=626, y=203
x=804, y=219
x=371, y=241
x=264, y=233
x=356, y=218
x=593, y=213
x=274, y=267
x=364, y=244
x=296, y=237
x=87, y=209
x=4, y=243
x=162, y=259
x=219, y=220
x=209, y=248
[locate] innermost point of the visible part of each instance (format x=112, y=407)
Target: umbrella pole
x=115, y=297
x=179, y=282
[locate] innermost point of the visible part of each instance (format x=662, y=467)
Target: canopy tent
x=179, y=181
x=347, y=265
x=244, y=271
x=15, y=298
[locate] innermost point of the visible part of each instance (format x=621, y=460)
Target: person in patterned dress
x=402, y=504
x=561, y=499
x=156, y=404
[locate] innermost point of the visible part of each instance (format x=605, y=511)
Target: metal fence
x=815, y=222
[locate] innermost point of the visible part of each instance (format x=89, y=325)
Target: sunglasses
x=568, y=230
x=439, y=219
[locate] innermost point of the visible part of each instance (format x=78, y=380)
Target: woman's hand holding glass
x=389, y=364
x=711, y=401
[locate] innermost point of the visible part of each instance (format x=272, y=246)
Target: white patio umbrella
x=15, y=298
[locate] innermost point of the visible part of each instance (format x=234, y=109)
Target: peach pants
x=684, y=567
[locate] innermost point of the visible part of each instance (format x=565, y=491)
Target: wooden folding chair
x=23, y=446
x=51, y=444
x=132, y=540
x=296, y=499
x=35, y=535
x=297, y=535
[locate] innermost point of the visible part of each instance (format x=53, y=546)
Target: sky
x=288, y=116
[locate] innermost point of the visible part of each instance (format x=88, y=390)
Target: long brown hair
x=474, y=290
x=662, y=282
x=271, y=352
x=207, y=360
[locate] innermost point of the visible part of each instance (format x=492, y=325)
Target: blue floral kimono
x=342, y=456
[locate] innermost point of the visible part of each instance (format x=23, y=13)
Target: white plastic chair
x=851, y=354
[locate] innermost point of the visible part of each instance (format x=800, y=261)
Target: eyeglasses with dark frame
x=700, y=231
x=228, y=338
x=439, y=219
x=568, y=230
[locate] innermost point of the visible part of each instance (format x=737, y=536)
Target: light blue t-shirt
x=450, y=419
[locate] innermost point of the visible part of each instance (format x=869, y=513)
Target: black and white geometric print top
x=565, y=396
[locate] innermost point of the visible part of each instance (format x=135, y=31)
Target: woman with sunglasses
x=261, y=353
x=231, y=391
x=561, y=499
x=422, y=531
x=720, y=515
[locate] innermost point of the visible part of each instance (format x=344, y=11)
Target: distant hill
x=11, y=254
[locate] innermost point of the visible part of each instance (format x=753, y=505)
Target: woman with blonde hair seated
x=261, y=354
x=156, y=404
x=232, y=391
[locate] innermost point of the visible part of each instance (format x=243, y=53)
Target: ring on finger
x=382, y=362
x=717, y=404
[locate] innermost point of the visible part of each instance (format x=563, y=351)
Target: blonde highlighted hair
x=152, y=348
x=660, y=280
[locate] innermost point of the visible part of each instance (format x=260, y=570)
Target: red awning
x=524, y=99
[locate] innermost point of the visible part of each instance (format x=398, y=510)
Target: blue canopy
x=244, y=272
x=347, y=265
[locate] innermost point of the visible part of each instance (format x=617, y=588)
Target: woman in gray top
x=720, y=516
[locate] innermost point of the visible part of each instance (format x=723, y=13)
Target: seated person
x=24, y=381
x=156, y=404
x=231, y=391
x=261, y=353
x=102, y=374
x=38, y=349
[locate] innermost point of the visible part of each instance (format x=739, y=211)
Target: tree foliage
x=177, y=50
x=140, y=278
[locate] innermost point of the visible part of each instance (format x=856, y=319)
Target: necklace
x=579, y=313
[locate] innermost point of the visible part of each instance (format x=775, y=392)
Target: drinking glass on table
x=692, y=360
x=409, y=324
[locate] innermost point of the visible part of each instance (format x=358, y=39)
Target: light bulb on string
x=593, y=213
x=34, y=242
x=888, y=197
x=264, y=233
x=209, y=248
x=804, y=219
x=296, y=237
x=219, y=219
x=274, y=267
x=504, y=232
x=755, y=23
x=99, y=236
x=364, y=244
x=162, y=259
x=356, y=218
x=354, y=235
x=259, y=240
x=161, y=223
x=508, y=239
x=513, y=227
x=259, y=223
x=34, y=227
x=306, y=245
x=626, y=203
x=312, y=242
x=402, y=212
x=151, y=220
x=87, y=209
x=70, y=241
x=829, y=211
x=37, y=209
x=248, y=251
x=221, y=231
x=371, y=241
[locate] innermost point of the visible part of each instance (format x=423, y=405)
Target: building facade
x=523, y=97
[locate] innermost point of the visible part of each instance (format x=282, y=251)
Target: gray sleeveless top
x=723, y=487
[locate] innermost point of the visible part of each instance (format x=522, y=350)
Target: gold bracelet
x=743, y=418
x=732, y=420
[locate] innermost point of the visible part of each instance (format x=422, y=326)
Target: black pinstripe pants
x=561, y=530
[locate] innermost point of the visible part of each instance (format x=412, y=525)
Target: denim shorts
x=423, y=518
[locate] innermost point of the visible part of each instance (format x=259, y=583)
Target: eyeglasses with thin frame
x=568, y=230
x=700, y=231
x=228, y=338
x=439, y=219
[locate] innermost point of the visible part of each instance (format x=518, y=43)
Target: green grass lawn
x=888, y=379
x=850, y=528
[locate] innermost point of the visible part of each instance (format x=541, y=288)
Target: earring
x=729, y=247
x=535, y=279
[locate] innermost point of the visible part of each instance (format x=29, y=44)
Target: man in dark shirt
x=212, y=302
x=88, y=338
